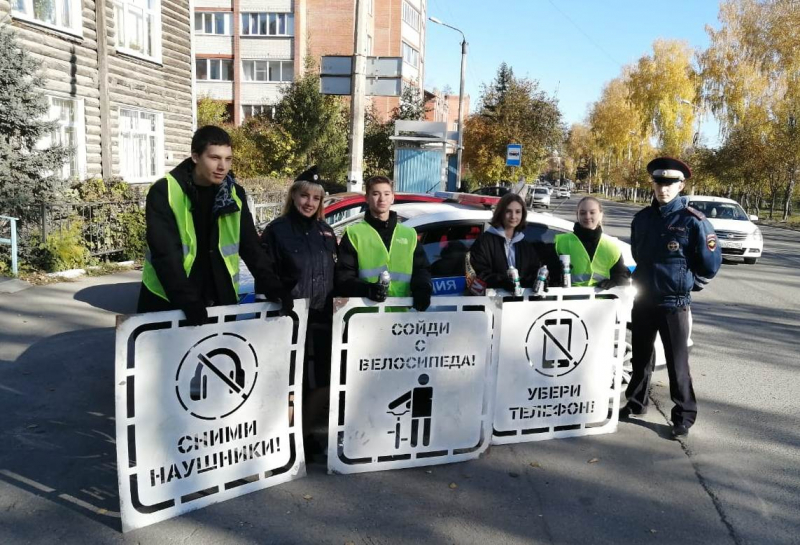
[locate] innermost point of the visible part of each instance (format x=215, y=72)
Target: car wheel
x=750, y=260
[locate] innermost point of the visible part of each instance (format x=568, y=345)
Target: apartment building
x=246, y=51
x=118, y=75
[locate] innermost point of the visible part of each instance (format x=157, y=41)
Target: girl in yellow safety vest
x=595, y=259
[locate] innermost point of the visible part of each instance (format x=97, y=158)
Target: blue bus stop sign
x=514, y=155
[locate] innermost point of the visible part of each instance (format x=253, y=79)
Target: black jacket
x=209, y=282
x=348, y=284
x=590, y=238
x=304, y=253
x=488, y=259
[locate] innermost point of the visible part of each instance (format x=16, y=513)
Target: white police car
x=737, y=234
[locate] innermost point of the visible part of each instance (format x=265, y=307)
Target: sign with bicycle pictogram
x=559, y=367
x=207, y=413
x=409, y=388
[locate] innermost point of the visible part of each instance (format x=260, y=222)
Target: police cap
x=309, y=175
x=666, y=170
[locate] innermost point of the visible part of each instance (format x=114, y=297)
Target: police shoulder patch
x=711, y=241
x=696, y=213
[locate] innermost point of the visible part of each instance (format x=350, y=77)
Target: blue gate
x=418, y=170
x=452, y=168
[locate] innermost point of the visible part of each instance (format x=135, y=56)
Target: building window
x=139, y=27
x=69, y=132
x=212, y=23
x=411, y=16
x=267, y=24
x=268, y=70
x=61, y=14
x=141, y=149
x=252, y=110
x=213, y=70
x=410, y=55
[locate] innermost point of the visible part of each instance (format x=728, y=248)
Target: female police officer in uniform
x=676, y=252
x=303, y=249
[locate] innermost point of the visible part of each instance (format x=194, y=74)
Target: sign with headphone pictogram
x=208, y=413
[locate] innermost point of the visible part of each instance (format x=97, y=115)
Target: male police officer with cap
x=676, y=252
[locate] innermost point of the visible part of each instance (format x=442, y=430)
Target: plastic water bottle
x=385, y=278
x=541, y=280
x=565, y=261
x=513, y=274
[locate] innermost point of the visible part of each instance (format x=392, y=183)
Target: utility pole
x=355, y=176
x=460, y=149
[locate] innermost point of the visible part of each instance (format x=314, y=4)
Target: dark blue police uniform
x=676, y=252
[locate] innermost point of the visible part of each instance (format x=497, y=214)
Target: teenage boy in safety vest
x=380, y=244
x=198, y=226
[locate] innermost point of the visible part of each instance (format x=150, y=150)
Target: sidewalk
x=58, y=478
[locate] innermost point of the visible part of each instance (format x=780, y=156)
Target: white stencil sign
x=207, y=413
x=410, y=388
x=558, y=374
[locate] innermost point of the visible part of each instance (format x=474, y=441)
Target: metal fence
x=11, y=240
x=100, y=222
x=265, y=207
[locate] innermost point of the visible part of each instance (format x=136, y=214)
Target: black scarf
x=590, y=238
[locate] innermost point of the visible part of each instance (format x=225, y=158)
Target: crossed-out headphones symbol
x=235, y=380
x=229, y=363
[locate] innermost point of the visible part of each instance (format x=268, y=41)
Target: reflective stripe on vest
x=373, y=258
x=227, y=224
x=585, y=272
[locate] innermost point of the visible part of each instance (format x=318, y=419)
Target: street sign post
x=383, y=75
x=514, y=155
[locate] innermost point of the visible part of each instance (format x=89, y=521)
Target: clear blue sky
x=572, y=47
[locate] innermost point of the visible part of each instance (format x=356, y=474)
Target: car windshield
x=720, y=210
x=541, y=191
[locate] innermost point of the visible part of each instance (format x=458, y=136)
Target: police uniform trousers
x=673, y=325
x=318, y=351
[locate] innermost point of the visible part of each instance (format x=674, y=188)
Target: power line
x=579, y=29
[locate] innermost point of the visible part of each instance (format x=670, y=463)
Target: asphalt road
x=735, y=479
x=745, y=446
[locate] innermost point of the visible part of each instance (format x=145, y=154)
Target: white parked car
x=539, y=196
x=563, y=193
x=737, y=234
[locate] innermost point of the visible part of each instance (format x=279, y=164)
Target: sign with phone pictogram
x=559, y=373
x=207, y=413
x=411, y=389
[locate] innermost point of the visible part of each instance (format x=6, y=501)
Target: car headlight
x=756, y=235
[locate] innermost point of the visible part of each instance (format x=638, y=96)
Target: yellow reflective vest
x=228, y=226
x=587, y=272
x=373, y=258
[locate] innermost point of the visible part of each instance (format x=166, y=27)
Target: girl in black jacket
x=304, y=250
x=503, y=245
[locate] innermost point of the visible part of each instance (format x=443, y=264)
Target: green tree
x=378, y=146
x=317, y=123
x=27, y=173
x=511, y=110
x=411, y=106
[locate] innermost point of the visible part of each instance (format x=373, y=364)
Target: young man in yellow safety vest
x=380, y=243
x=198, y=227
